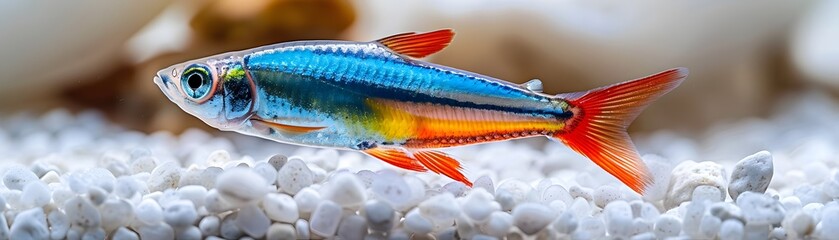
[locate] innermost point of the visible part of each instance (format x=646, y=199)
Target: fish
x=379, y=98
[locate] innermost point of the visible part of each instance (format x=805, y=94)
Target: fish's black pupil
x=195, y=81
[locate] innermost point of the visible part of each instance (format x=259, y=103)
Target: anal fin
x=421, y=160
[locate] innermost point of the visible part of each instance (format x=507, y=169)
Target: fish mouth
x=165, y=86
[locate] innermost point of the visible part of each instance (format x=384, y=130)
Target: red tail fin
x=598, y=128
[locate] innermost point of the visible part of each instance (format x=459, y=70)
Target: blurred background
x=745, y=57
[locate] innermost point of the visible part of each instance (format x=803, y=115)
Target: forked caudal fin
x=601, y=116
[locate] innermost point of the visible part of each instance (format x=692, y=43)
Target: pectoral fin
x=286, y=127
x=418, y=45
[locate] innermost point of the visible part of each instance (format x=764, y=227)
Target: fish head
x=217, y=91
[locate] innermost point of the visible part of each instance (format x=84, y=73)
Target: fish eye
x=196, y=82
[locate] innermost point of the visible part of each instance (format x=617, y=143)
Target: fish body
x=376, y=97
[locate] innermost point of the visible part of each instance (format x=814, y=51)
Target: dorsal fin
x=418, y=45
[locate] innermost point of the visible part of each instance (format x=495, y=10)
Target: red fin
x=598, y=128
x=286, y=127
x=396, y=157
x=442, y=163
x=418, y=45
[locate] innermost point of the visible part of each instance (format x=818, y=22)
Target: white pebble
x=752, y=173
x=241, y=186
x=605, y=194
x=96, y=195
x=194, y=193
x=484, y=182
x=228, y=228
x=252, y=221
x=392, y=188
x=214, y=203
x=164, y=176
x=516, y=189
x=810, y=194
x=479, y=204
x=302, y=229
x=581, y=192
x=352, y=227
x=688, y=175
x=93, y=234
x=592, y=228
x=830, y=222
x=218, y=158
x=123, y=233
x=709, y=226
x=4, y=229
x=188, y=233
x=307, y=200
x=293, y=176
x=126, y=187
x=440, y=208
x=661, y=170
x=556, y=192
x=209, y=176
x=566, y=223
x=704, y=193
x=180, y=214
x=18, y=176
x=379, y=215
x=416, y=223
x=344, y=189
x=51, y=177
x=760, y=209
x=148, y=212
x=498, y=224
x=280, y=231
x=280, y=207
x=267, y=172
x=618, y=218
x=58, y=223
x=35, y=194
x=667, y=226
x=325, y=219
x=30, y=224
x=82, y=212
x=192, y=176
x=799, y=224
x=532, y=217
x=116, y=213
x=580, y=208
x=731, y=230
x=157, y=231
x=277, y=161
x=209, y=225
x=143, y=164
x=100, y=177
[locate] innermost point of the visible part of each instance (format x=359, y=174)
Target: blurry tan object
x=579, y=44
x=815, y=46
x=48, y=45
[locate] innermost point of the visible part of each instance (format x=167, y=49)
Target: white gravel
x=91, y=179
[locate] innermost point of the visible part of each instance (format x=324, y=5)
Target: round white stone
x=390, y=187
x=830, y=222
x=379, y=215
x=281, y=231
x=194, y=193
x=301, y=228
x=188, y=233
x=123, y=233
x=209, y=225
x=143, y=164
x=605, y=194
x=618, y=218
x=307, y=200
x=277, y=161
x=498, y=224
x=267, y=172
x=30, y=224
x=18, y=176
x=241, y=186
x=667, y=226
x=156, y=231
x=164, y=176
x=35, y=194
x=566, y=223
x=532, y=217
x=325, y=219
x=688, y=175
x=799, y=224
x=440, y=208
x=760, y=209
x=180, y=214
x=486, y=183
x=294, y=176
x=709, y=226
x=344, y=189
x=352, y=227
x=82, y=212
x=752, y=173
x=148, y=212
x=556, y=192
x=416, y=223
x=704, y=193
x=252, y=221
x=280, y=207
x=116, y=213
x=58, y=223
x=228, y=228
x=479, y=204
x=731, y=230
